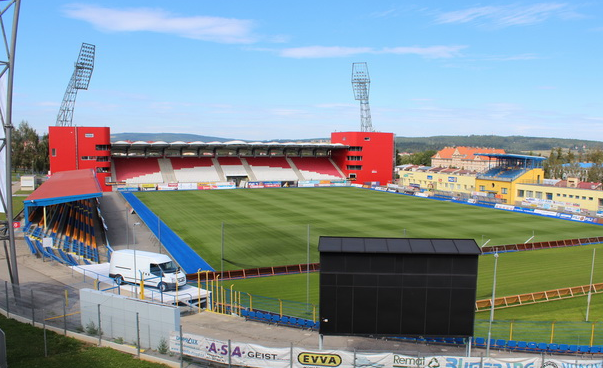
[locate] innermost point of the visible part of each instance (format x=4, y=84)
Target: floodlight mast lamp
x=80, y=79
x=361, y=86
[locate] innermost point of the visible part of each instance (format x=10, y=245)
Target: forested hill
x=511, y=144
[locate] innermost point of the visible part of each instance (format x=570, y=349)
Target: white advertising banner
x=251, y=355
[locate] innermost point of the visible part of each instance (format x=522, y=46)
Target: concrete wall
x=118, y=317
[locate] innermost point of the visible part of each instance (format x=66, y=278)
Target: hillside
x=511, y=144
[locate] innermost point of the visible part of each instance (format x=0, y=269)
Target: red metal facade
x=370, y=157
x=75, y=148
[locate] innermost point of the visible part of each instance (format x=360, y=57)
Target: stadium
x=316, y=237
x=235, y=211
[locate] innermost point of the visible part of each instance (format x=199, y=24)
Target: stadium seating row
x=71, y=227
x=526, y=346
x=512, y=345
x=278, y=319
x=198, y=169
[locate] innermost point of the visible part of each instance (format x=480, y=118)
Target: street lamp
x=492, y=306
x=134, y=232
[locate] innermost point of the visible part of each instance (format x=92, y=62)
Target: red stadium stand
x=194, y=169
x=137, y=170
x=179, y=163
x=272, y=168
x=317, y=168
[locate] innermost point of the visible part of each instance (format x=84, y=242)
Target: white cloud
x=206, y=28
x=432, y=52
x=323, y=51
x=508, y=15
x=340, y=51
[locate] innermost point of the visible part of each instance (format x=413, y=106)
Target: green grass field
x=270, y=227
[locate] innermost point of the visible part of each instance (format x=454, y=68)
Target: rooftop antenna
x=79, y=80
x=361, y=85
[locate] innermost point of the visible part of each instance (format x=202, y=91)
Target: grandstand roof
x=228, y=144
x=512, y=156
x=66, y=186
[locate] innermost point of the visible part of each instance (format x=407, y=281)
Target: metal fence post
x=99, y=325
x=7, y=304
x=181, y=349
x=137, y=336
x=291, y=355
x=44, y=327
x=65, y=315
x=229, y=355
x=33, y=316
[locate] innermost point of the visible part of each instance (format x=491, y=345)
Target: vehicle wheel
x=119, y=280
x=162, y=286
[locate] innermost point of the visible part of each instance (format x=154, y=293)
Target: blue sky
x=252, y=69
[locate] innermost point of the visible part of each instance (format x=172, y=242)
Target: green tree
x=419, y=158
x=29, y=152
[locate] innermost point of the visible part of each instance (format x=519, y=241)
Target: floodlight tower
x=79, y=80
x=361, y=85
x=7, y=65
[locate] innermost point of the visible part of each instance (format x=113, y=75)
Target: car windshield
x=168, y=267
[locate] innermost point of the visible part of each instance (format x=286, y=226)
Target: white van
x=156, y=269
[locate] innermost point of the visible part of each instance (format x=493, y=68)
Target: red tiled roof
x=67, y=184
x=467, y=153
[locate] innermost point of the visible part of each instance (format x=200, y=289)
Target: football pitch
x=273, y=227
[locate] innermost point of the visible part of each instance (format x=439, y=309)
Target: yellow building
x=560, y=198
x=505, y=187
x=516, y=183
x=457, y=181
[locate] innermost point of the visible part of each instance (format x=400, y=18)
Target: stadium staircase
x=337, y=167
x=295, y=169
x=167, y=170
x=250, y=172
x=219, y=169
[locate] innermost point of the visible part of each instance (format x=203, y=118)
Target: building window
x=571, y=196
x=354, y=158
x=103, y=147
x=558, y=195
x=549, y=196
x=504, y=190
x=583, y=198
x=590, y=198
x=529, y=194
x=88, y=158
x=367, y=138
x=102, y=169
x=355, y=148
x=353, y=176
x=354, y=167
x=482, y=188
x=102, y=159
x=89, y=135
x=54, y=152
x=520, y=193
x=538, y=195
x=600, y=201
